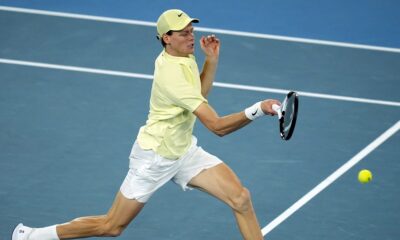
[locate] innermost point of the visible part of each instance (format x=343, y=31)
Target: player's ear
x=167, y=39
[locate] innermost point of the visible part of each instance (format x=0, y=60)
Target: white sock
x=46, y=233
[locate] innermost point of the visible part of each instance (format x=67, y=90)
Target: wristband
x=254, y=111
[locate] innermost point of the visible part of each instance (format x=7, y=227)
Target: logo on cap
x=179, y=15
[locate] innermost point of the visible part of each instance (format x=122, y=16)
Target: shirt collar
x=178, y=59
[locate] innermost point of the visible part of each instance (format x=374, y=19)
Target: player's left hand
x=210, y=46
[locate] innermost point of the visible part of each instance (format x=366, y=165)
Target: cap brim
x=185, y=23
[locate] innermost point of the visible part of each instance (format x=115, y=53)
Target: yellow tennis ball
x=364, y=176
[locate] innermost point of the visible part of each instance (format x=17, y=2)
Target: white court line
x=76, y=69
x=333, y=177
x=202, y=29
x=77, y=16
x=216, y=84
x=307, y=94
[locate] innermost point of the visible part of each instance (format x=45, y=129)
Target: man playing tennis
x=165, y=148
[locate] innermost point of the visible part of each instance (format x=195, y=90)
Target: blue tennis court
x=75, y=90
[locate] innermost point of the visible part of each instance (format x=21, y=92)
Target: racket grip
x=277, y=109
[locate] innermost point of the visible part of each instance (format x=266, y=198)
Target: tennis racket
x=287, y=114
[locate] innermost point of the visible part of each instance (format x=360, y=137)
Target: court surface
x=74, y=92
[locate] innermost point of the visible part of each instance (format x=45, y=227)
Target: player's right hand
x=266, y=106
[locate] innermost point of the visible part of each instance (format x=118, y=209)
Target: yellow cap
x=173, y=19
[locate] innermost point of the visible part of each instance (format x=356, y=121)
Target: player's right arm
x=222, y=126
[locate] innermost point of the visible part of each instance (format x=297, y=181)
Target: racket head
x=289, y=110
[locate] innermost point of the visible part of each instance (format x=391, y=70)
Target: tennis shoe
x=21, y=232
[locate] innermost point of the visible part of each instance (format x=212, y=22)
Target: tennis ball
x=364, y=176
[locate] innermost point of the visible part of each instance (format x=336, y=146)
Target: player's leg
x=125, y=206
x=143, y=179
x=112, y=224
x=220, y=181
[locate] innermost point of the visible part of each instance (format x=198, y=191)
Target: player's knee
x=108, y=229
x=114, y=231
x=241, y=201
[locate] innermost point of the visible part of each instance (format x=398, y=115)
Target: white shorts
x=149, y=171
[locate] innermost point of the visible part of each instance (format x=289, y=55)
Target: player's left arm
x=210, y=46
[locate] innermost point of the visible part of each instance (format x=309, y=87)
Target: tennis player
x=165, y=148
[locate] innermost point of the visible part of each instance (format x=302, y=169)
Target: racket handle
x=277, y=109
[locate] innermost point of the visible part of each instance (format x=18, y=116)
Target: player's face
x=180, y=43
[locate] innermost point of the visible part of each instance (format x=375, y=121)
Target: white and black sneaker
x=21, y=232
